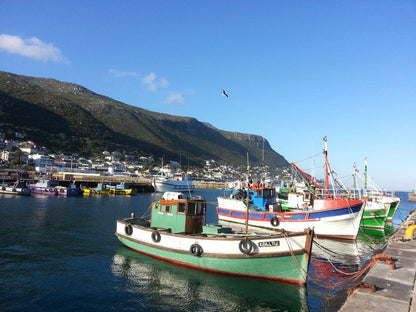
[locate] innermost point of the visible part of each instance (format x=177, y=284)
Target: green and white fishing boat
x=380, y=206
x=177, y=232
x=374, y=215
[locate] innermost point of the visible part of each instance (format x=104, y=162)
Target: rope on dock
x=379, y=258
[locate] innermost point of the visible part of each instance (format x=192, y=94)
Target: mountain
x=66, y=117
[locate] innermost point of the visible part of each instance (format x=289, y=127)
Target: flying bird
x=225, y=94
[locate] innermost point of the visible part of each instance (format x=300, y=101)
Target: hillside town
x=32, y=161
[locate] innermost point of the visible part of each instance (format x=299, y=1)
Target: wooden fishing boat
x=380, y=206
x=375, y=214
x=329, y=217
x=101, y=189
x=177, y=232
x=122, y=188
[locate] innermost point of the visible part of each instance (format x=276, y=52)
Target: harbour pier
x=389, y=286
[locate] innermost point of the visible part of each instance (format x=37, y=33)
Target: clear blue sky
x=295, y=71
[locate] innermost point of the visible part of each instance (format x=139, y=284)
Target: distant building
x=19, y=135
x=7, y=155
x=28, y=149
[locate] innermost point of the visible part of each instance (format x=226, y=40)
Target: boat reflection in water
x=172, y=287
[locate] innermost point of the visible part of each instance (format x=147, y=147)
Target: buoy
x=410, y=230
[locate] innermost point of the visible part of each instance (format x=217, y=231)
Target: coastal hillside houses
x=27, y=154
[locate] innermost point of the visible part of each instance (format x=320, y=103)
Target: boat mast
x=365, y=175
x=248, y=192
x=326, y=164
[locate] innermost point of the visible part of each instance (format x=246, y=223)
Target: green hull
x=374, y=219
x=392, y=210
x=283, y=268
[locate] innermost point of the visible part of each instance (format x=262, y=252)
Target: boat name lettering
x=269, y=244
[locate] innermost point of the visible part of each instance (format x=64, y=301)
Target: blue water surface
x=61, y=254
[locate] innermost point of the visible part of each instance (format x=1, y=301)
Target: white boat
x=17, y=188
x=335, y=218
x=179, y=182
x=329, y=213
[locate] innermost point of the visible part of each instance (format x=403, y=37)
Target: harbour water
x=61, y=254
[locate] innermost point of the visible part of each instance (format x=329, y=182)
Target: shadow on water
x=170, y=285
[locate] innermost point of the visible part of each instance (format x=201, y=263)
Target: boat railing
x=337, y=194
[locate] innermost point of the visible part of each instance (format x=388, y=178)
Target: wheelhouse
x=178, y=214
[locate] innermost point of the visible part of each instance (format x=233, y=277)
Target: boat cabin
x=177, y=213
x=263, y=197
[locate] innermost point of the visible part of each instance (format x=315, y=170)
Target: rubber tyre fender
x=156, y=236
x=274, y=221
x=246, y=246
x=128, y=229
x=196, y=249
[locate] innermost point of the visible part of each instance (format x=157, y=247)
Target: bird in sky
x=225, y=94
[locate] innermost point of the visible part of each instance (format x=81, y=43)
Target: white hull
x=330, y=227
x=371, y=206
x=173, y=186
x=226, y=245
x=14, y=190
x=337, y=226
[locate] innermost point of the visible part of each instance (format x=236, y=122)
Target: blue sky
x=295, y=71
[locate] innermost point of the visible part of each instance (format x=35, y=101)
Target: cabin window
x=165, y=209
x=181, y=208
x=200, y=209
x=191, y=208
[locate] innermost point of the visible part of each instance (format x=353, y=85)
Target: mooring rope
x=350, y=278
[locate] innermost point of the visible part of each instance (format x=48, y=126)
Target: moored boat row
x=122, y=188
x=42, y=187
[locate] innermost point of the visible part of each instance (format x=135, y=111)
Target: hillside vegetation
x=66, y=117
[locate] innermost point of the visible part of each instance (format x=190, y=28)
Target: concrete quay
x=394, y=288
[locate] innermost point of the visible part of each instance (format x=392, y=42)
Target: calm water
x=61, y=254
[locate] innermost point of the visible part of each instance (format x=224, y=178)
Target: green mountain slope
x=66, y=117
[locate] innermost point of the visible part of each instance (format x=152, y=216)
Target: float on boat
x=17, y=188
x=177, y=232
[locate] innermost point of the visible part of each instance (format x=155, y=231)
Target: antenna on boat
x=248, y=192
x=365, y=175
x=354, y=176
